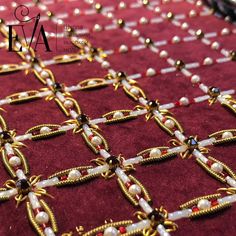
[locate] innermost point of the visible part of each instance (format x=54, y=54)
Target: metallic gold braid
x=79, y=180
x=229, y=103
x=229, y=190
x=23, y=160
x=50, y=134
x=61, y=59
x=226, y=168
x=121, y=119
x=50, y=214
x=3, y=123
x=141, y=93
x=196, y=200
x=7, y=166
x=126, y=193
x=220, y=140
x=103, y=227
x=144, y=190
x=210, y=171
x=33, y=221
x=134, y=233
x=15, y=99
x=211, y=210
x=100, y=82
x=64, y=172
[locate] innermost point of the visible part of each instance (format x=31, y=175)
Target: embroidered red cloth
x=169, y=183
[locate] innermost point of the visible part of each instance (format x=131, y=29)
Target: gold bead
x=1, y=21
x=199, y=33
x=179, y=64
x=50, y=14
x=170, y=16
x=120, y=23
x=148, y=42
x=232, y=55
x=98, y=7
x=145, y=2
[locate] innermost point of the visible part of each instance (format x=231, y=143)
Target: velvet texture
x=170, y=183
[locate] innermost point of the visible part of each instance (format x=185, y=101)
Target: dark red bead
x=209, y=163
x=64, y=177
x=122, y=230
x=214, y=202
x=195, y=209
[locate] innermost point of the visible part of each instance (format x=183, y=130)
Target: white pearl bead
x=155, y=152
x=227, y=134
x=135, y=33
x=204, y=204
x=97, y=28
x=123, y=48
x=76, y=11
x=68, y=104
x=143, y=20
x=5, y=67
x=184, y=26
x=163, y=54
x=109, y=15
x=134, y=91
x=105, y=64
x=169, y=123
x=92, y=82
x=118, y=114
x=66, y=57
x=44, y=74
x=74, y=174
x=217, y=167
x=215, y=45
x=60, y=22
x=207, y=61
x=176, y=39
x=42, y=217
x=15, y=161
x=111, y=231
x=150, y=72
x=134, y=189
x=184, y=101
x=96, y=140
x=225, y=31
x=23, y=95
x=192, y=13
x=122, y=5
x=157, y=9
x=44, y=130
x=195, y=79
x=199, y=3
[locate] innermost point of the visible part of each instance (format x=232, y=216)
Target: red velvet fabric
x=170, y=183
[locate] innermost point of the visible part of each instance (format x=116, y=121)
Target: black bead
x=156, y=216
x=5, y=135
x=94, y=50
x=23, y=184
x=112, y=161
x=192, y=143
x=57, y=87
x=214, y=91
x=82, y=119
x=121, y=75
x=152, y=104
x=35, y=60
